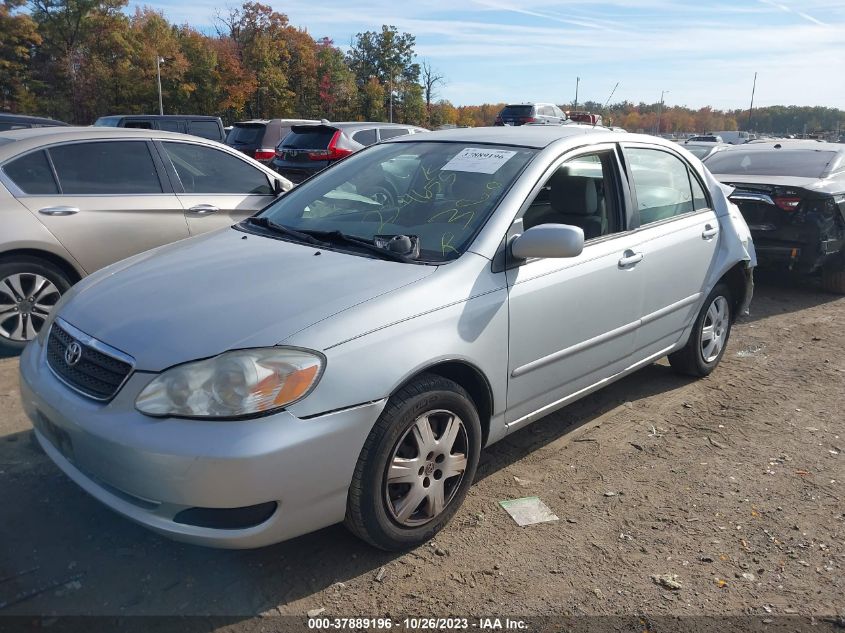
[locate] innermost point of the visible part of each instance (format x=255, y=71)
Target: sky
x=699, y=52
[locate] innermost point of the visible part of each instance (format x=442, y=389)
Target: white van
x=734, y=137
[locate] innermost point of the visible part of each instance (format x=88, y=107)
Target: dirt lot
x=733, y=483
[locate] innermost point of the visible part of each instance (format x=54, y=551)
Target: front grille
x=97, y=375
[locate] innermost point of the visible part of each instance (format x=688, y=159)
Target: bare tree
x=431, y=79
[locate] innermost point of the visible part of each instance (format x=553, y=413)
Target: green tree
x=388, y=57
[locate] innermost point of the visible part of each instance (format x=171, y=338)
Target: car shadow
x=52, y=531
x=781, y=292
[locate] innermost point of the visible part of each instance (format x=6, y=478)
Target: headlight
x=234, y=384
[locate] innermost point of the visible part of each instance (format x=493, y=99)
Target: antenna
x=611, y=95
x=751, y=108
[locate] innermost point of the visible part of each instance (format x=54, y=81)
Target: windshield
x=107, y=121
x=441, y=193
x=776, y=162
x=318, y=138
x=517, y=110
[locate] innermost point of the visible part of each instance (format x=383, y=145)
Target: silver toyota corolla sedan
x=341, y=357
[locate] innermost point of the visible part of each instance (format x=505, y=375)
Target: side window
x=661, y=183
x=12, y=126
x=205, y=129
x=141, y=125
x=579, y=193
x=365, y=137
x=111, y=167
x=169, y=125
x=391, y=132
x=32, y=174
x=208, y=170
x=547, y=111
x=699, y=198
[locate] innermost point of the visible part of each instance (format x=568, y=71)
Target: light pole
x=660, y=109
x=159, y=61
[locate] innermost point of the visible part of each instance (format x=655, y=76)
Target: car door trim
x=562, y=402
x=605, y=336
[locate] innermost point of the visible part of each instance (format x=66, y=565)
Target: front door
x=219, y=188
x=573, y=321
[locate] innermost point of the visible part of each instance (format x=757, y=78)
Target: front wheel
x=29, y=288
x=416, y=466
x=709, y=337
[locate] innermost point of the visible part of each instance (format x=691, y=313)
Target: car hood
x=221, y=291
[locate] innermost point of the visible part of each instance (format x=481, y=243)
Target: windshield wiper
x=267, y=223
x=340, y=237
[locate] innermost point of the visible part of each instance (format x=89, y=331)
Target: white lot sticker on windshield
x=478, y=160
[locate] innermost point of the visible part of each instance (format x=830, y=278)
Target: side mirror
x=549, y=240
x=278, y=187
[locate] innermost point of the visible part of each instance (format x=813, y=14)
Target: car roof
x=536, y=136
x=25, y=118
x=200, y=117
x=14, y=142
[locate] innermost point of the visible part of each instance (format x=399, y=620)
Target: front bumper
x=150, y=470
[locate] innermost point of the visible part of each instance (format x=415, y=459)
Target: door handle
x=629, y=258
x=204, y=209
x=60, y=210
x=709, y=231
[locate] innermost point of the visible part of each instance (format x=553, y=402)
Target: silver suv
x=531, y=113
x=73, y=200
x=343, y=358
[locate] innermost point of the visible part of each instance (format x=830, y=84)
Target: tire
x=701, y=354
x=403, y=514
x=23, y=279
x=833, y=279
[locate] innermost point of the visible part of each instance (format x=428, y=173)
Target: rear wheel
x=709, y=337
x=29, y=288
x=833, y=277
x=416, y=465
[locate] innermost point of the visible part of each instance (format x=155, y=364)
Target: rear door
x=112, y=200
x=678, y=238
x=215, y=187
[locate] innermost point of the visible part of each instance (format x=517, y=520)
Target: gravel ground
x=731, y=487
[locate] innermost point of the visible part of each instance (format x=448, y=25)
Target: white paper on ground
x=528, y=510
x=478, y=160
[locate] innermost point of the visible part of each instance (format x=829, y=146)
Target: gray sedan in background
x=341, y=358
x=73, y=200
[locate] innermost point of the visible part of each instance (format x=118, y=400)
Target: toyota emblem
x=73, y=353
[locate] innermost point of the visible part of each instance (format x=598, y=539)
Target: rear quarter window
x=32, y=174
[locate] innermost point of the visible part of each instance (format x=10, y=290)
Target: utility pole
x=577, y=83
x=660, y=109
x=391, y=96
x=158, y=81
x=751, y=107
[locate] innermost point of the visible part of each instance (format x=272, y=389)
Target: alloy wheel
x=714, y=330
x=26, y=300
x=426, y=468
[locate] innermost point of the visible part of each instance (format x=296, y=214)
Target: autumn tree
x=18, y=36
